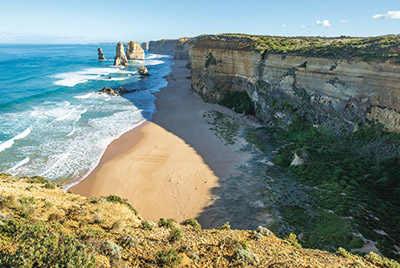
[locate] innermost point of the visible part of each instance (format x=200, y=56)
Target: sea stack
x=100, y=53
x=145, y=46
x=134, y=51
x=120, y=57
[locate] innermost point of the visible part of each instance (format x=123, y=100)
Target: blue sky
x=81, y=21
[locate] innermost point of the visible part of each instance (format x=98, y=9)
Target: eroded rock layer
x=338, y=91
x=120, y=57
x=162, y=46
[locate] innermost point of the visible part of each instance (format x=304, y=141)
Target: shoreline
x=168, y=168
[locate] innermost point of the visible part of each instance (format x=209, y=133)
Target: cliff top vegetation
x=380, y=48
x=44, y=226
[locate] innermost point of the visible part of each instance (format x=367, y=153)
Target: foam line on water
x=71, y=79
x=10, y=142
x=19, y=164
x=96, y=163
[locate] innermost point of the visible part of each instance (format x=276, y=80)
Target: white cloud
x=305, y=26
x=395, y=15
x=284, y=25
x=325, y=23
x=344, y=21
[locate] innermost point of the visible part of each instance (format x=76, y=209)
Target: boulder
x=109, y=91
x=134, y=51
x=100, y=53
x=123, y=90
x=297, y=161
x=120, y=57
x=143, y=71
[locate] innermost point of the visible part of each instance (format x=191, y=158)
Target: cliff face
x=134, y=51
x=321, y=88
x=162, y=46
x=145, y=45
x=181, y=51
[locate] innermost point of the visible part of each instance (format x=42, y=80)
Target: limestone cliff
x=338, y=82
x=120, y=57
x=134, y=51
x=100, y=54
x=44, y=226
x=181, y=50
x=145, y=45
x=164, y=46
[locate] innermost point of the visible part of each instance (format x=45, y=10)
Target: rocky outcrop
x=100, y=54
x=115, y=92
x=332, y=91
x=143, y=71
x=297, y=161
x=134, y=51
x=162, y=46
x=145, y=45
x=120, y=57
x=181, y=51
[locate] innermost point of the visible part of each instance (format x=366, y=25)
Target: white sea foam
x=19, y=164
x=10, y=142
x=71, y=79
x=154, y=62
x=66, y=116
x=57, y=160
x=158, y=56
x=71, y=133
x=88, y=95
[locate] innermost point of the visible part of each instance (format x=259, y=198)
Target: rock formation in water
x=162, y=46
x=120, y=57
x=143, y=71
x=100, y=53
x=145, y=46
x=134, y=51
x=329, y=81
x=115, y=92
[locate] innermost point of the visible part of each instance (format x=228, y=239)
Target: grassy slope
x=42, y=226
x=380, y=48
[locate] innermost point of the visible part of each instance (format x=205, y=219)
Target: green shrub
x=169, y=223
x=292, y=239
x=377, y=260
x=342, y=252
x=146, y=225
x=192, y=222
x=41, y=245
x=128, y=241
x=49, y=185
x=174, y=235
x=168, y=257
x=226, y=226
x=239, y=101
x=117, y=199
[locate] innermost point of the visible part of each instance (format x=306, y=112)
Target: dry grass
x=119, y=240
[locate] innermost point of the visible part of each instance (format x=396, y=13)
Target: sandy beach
x=168, y=168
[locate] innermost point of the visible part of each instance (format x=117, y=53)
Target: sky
x=93, y=21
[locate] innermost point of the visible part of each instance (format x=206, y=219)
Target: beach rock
x=145, y=46
x=297, y=161
x=143, y=71
x=123, y=90
x=120, y=57
x=134, y=51
x=100, y=53
x=109, y=91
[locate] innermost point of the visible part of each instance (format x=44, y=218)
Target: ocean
x=53, y=123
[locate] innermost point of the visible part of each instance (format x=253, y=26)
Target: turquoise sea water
x=52, y=121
